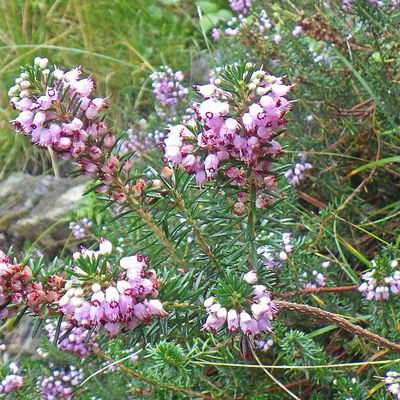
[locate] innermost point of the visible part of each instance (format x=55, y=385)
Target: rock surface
x=18, y=341
x=36, y=208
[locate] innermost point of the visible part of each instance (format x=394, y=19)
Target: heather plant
x=169, y=93
x=258, y=256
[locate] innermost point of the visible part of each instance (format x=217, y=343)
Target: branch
x=250, y=229
x=312, y=200
x=181, y=206
x=141, y=212
x=339, y=321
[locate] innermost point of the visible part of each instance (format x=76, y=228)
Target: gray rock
x=36, y=208
x=18, y=341
x=201, y=67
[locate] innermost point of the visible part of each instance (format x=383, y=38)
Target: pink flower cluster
x=12, y=382
x=376, y=289
x=234, y=139
x=234, y=25
x=258, y=319
x=61, y=384
x=297, y=174
x=56, y=111
x=256, y=24
x=297, y=31
x=17, y=289
x=241, y=6
x=318, y=279
x=264, y=345
x=141, y=142
x=76, y=342
x=80, y=229
x=168, y=91
x=123, y=302
x=270, y=254
x=287, y=246
x=216, y=34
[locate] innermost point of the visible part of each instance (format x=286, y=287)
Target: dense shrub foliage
x=240, y=238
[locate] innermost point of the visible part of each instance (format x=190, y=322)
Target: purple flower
x=211, y=165
x=392, y=382
x=216, y=34
x=251, y=321
x=233, y=142
x=168, y=91
x=80, y=229
x=63, y=116
x=233, y=321
x=296, y=175
x=376, y=286
x=296, y=31
x=11, y=383
x=115, y=304
x=241, y=6
x=251, y=277
x=60, y=385
x=76, y=342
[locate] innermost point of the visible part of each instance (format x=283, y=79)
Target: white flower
x=43, y=63
x=130, y=262
x=14, y=90
x=105, y=246
x=251, y=277
x=25, y=84
x=325, y=264
x=96, y=288
x=209, y=302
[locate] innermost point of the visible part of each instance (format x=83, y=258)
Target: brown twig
x=339, y=321
x=315, y=291
x=312, y=200
x=372, y=358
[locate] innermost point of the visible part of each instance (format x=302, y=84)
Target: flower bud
x=166, y=173
x=109, y=140
x=25, y=84
x=239, y=208
x=14, y=90
x=43, y=63
x=105, y=246
x=209, y=302
x=251, y=277
x=96, y=288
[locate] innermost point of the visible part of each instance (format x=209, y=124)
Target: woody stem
x=339, y=321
